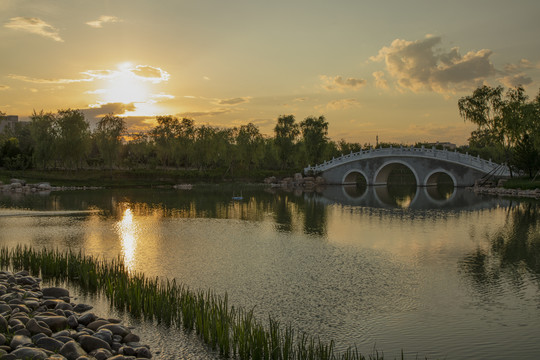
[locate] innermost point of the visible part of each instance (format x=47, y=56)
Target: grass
x=134, y=178
x=522, y=183
x=234, y=332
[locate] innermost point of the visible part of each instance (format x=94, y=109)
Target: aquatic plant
x=233, y=331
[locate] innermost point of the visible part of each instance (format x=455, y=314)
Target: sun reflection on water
x=128, y=230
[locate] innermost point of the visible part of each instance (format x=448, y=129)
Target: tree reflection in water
x=513, y=255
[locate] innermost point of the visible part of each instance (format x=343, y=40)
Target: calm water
x=435, y=272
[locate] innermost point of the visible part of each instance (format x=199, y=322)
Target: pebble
x=43, y=324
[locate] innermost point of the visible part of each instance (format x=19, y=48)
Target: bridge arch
x=350, y=177
x=382, y=173
x=433, y=177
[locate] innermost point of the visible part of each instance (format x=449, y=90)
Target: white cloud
x=35, y=26
x=47, y=81
x=340, y=84
x=380, y=81
x=141, y=72
x=3, y=87
x=418, y=65
x=103, y=20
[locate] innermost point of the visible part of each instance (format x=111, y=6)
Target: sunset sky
x=392, y=68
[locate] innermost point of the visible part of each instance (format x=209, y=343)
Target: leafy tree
x=250, y=144
x=73, y=137
x=43, y=133
x=315, y=138
x=286, y=133
x=108, y=135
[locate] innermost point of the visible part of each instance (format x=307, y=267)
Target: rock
x=105, y=335
x=94, y=325
x=29, y=353
x=129, y=338
x=23, y=331
x=55, y=323
x=19, y=340
x=87, y=318
x=56, y=357
x=116, y=329
x=73, y=322
x=101, y=354
x=35, y=328
x=72, y=350
x=2, y=339
x=80, y=308
x=143, y=352
x=63, y=306
x=49, y=343
x=55, y=292
x=91, y=343
x=3, y=324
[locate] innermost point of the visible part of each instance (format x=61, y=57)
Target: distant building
x=8, y=121
x=445, y=145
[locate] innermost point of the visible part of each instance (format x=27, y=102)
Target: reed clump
x=234, y=332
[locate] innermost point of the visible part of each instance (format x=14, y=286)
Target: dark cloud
x=516, y=80
x=417, y=65
x=94, y=113
x=233, y=101
x=195, y=114
x=341, y=84
x=150, y=73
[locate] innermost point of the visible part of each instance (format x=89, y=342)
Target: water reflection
x=128, y=231
x=512, y=257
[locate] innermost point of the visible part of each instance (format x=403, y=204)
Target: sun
x=125, y=87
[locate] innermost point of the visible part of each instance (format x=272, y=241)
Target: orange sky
x=391, y=68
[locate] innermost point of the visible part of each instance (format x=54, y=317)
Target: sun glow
x=125, y=87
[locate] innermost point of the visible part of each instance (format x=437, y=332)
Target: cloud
x=47, y=81
x=103, y=20
x=150, y=73
x=515, y=80
x=195, y=114
x=340, y=84
x=380, y=81
x=3, y=87
x=418, y=65
x=35, y=26
x=142, y=72
x=234, y=101
x=99, y=110
x=342, y=104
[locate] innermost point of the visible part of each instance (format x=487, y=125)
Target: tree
x=500, y=120
x=43, y=133
x=73, y=137
x=108, y=135
x=285, y=134
x=315, y=137
x=250, y=143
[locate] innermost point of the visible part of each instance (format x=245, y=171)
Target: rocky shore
x=40, y=324
x=297, y=181
x=490, y=188
x=20, y=186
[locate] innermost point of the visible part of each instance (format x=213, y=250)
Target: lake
x=435, y=272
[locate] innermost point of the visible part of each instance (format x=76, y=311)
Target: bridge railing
x=452, y=156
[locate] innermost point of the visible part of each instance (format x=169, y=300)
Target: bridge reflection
x=405, y=197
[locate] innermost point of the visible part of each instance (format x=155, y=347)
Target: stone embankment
x=20, y=186
x=43, y=324
x=298, y=181
x=499, y=190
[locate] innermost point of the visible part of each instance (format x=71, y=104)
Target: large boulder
x=55, y=292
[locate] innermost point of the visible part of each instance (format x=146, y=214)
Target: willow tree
x=314, y=137
x=108, y=134
x=285, y=135
x=73, y=137
x=43, y=133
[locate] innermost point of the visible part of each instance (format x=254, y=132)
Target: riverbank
x=136, y=178
x=42, y=323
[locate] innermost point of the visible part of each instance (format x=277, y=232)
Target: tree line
x=64, y=140
x=508, y=130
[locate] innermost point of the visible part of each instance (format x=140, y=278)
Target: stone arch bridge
x=426, y=164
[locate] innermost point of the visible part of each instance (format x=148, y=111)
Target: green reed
x=233, y=331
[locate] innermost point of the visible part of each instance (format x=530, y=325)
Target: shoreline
x=503, y=192
x=43, y=323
